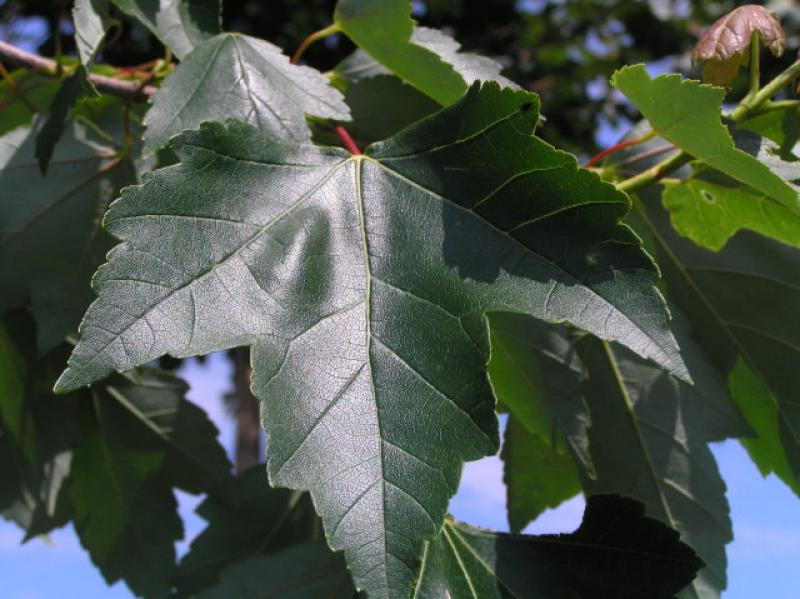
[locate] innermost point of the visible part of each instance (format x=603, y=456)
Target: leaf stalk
x=755, y=66
x=316, y=36
x=348, y=141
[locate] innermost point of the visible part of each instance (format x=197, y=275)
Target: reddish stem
x=348, y=141
x=615, y=148
x=647, y=154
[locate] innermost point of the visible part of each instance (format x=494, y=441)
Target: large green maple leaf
x=361, y=283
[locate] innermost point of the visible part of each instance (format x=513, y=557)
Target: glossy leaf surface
x=345, y=273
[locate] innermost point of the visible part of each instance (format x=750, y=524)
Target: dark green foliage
x=392, y=299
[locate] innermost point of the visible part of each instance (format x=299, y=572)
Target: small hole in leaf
x=707, y=196
x=526, y=107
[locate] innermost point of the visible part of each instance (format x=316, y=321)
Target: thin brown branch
x=130, y=90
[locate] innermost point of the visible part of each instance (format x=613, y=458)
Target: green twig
x=654, y=173
x=749, y=105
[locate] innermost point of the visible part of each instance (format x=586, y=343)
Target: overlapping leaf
x=471, y=67
x=709, y=208
x=616, y=552
x=50, y=237
x=125, y=517
x=108, y=459
x=36, y=433
x=296, y=572
x=711, y=212
x=91, y=21
x=780, y=126
x=50, y=130
x=742, y=302
x=22, y=96
x=256, y=519
x=762, y=412
x=536, y=374
x=140, y=439
x=383, y=29
x=237, y=76
x=345, y=273
x=538, y=474
x=180, y=24
x=383, y=105
x=646, y=432
x=648, y=437
x=687, y=114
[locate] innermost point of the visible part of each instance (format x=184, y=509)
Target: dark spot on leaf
x=526, y=107
x=707, y=196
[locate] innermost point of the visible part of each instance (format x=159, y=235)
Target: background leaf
x=30, y=93
x=616, y=552
x=688, y=114
x=742, y=302
x=180, y=24
x=236, y=76
x=296, y=572
x=52, y=128
x=383, y=29
x=125, y=515
x=254, y=526
x=645, y=432
x=709, y=213
x=50, y=237
x=538, y=475
x=91, y=21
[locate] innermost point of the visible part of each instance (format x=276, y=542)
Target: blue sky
x=763, y=557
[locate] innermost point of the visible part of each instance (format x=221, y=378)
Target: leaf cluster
x=449, y=264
